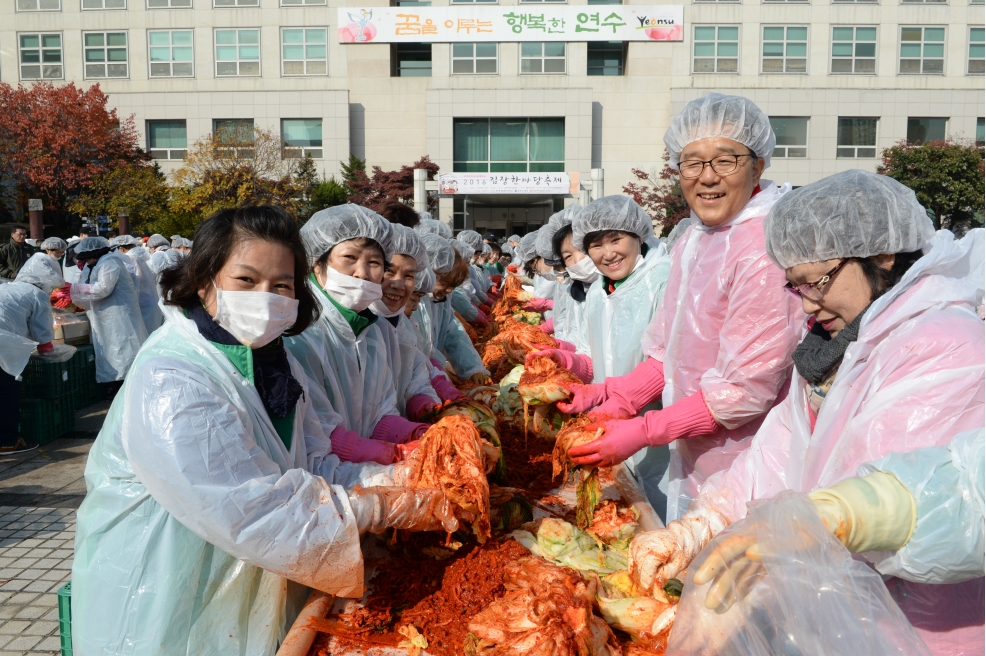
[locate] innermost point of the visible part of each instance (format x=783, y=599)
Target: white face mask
x=382, y=310
x=255, y=318
x=350, y=292
x=584, y=271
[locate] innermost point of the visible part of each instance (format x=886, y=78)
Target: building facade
x=841, y=80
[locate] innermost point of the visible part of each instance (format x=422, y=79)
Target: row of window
x=304, y=51
x=56, y=5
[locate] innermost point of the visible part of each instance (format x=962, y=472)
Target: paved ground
x=39, y=493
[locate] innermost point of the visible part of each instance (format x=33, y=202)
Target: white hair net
x=677, y=231
x=611, y=213
x=407, y=242
x=526, y=249
x=431, y=226
x=487, y=249
x=441, y=257
x=507, y=250
x=850, y=214
x=513, y=239
x=719, y=115
x=464, y=250
x=335, y=225
x=424, y=215
x=471, y=238
x=177, y=241
x=91, y=245
x=156, y=240
x=42, y=271
x=547, y=233
x=54, y=244
x=129, y=240
x=424, y=282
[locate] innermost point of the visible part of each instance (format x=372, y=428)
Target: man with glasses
x=14, y=254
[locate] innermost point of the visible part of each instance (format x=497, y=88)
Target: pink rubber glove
x=627, y=395
x=47, y=347
x=350, y=447
x=445, y=390
x=484, y=308
x=548, y=327
x=578, y=364
x=481, y=319
x=584, y=398
x=418, y=406
x=689, y=417
x=565, y=346
x=539, y=305
x=397, y=430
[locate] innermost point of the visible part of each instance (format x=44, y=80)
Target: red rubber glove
x=484, y=308
x=47, y=347
x=539, y=305
x=496, y=279
x=445, y=390
x=689, y=417
x=627, y=395
x=350, y=447
x=418, y=405
x=548, y=327
x=585, y=398
x=397, y=430
x=404, y=450
x=578, y=364
x=481, y=319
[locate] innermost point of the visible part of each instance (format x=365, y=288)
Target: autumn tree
x=351, y=170
x=947, y=178
x=660, y=196
x=375, y=190
x=55, y=141
x=139, y=189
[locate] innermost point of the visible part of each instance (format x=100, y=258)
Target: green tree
x=328, y=193
x=352, y=171
x=947, y=177
x=139, y=189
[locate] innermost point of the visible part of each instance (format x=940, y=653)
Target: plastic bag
x=814, y=599
x=59, y=353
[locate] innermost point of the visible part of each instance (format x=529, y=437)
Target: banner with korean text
x=472, y=24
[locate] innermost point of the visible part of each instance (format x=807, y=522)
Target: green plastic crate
x=42, y=420
x=87, y=393
x=65, y=618
x=47, y=380
x=83, y=363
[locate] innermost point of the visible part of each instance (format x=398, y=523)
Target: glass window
x=527, y=1
x=980, y=132
x=922, y=50
x=39, y=5
x=170, y=53
x=410, y=60
x=237, y=52
x=792, y=136
x=977, y=50
x=716, y=49
x=104, y=4
x=237, y=134
x=508, y=145
x=473, y=58
x=605, y=2
x=854, y=50
x=856, y=137
x=542, y=58
x=168, y=4
x=912, y=2
x=491, y=2
x=785, y=49
x=105, y=54
x=167, y=139
x=40, y=56
x=235, y=3
x=786, y=1
x=299, y=3
x=606, y=57
x=304, y=51
x=921, y=130
x=301, y=136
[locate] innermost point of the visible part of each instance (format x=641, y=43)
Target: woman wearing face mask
x=893, y=361
x=558, y=324
x=412, y=373
x=724, y=333
x=144, y=280
x=583, y=273
x=424, y=282
x=464, y=297
x=345, y=350
x=213, y=497
x=477, y=276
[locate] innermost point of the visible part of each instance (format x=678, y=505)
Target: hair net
x=121, y=240
x=471, y=238
x=424, y=282
x=677, y=231
x=505, y=249
x=526, y=248
x=719, y=115
x=335, y=225
x=441, y=257
x=513, y=238
x=176, y=241
x=54, y=244
x=89, y=246
x=42, y=271
x=431, y=226
x=487, y=249
x=156, y=240
x=547, y=233
x=464, y=250
x=407, y=242
x=424, y=215
x=850, y=214
x=186, y=243
x=611, y=213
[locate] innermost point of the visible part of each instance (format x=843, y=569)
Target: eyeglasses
x=812, y=290
x=723, y=165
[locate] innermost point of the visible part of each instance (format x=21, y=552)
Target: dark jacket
x=12, y=258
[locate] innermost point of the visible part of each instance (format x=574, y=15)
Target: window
x=168, y=4
x=410, y=3
x=457, y=2
x=921, y=130
x=500, y=145
x=304, y=51
x=792, y=136
x=39, y=5
x=105, y=54
x=529, y=1
x=977, y=50
x=302, y=136
x=237, y=134
x=606, y=58
x=856, y=1
x=786, y=0
x=922, y=50
x=980, y=132
x=40, y=56
x=237, y=52
x=854, y=50
x=298, y=3
x=542, y=58
x=167, y=139
x=104, y=4
x=856, y=137
x=716, y=49
x=470, y=58
x=410, y=60
x=170, y=53
x=913, y=2
x=605, y=2
x=235, y=3
x=785, y=50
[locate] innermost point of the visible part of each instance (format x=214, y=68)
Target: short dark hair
x=215, y=239
x=880, y=279
x=362, y=242
x=599, y=235
x=557, y=240
x=496, y=248
x=18, y=227
x=397, y=212
x=530, y=267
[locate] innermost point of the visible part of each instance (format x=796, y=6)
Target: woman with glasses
x=892, y=362
x=719, y=346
